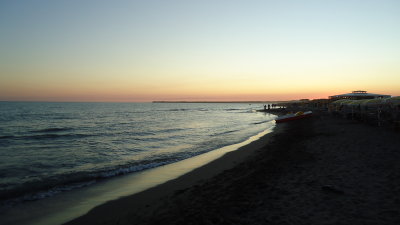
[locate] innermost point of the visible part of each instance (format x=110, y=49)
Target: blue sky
x=144, y=50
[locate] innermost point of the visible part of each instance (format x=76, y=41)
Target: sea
x=50, y=148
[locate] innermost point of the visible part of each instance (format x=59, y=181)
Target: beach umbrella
x=338, y=102
x=346, y=102
x=394, y=101
x=354, y=102
x=363, y=101
x=373, y=102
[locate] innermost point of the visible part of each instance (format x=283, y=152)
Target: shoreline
x=320, y=170
x=148, y=198
x=69, y=205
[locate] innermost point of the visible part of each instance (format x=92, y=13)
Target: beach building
x=357, y=95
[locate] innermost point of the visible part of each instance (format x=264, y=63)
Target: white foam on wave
x=64, y=207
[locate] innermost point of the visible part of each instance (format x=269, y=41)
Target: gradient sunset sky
x=93, y=50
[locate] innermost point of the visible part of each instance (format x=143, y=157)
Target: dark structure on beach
x=357, y=95
x=376, y=109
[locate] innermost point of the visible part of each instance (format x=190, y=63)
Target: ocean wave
x=56, y=190
x=183, y=109
x=142, y=133
x=232, y=109
x=170, y=130
x=47, y=187
x=261, y=122
x=248, y=111
x=225, y=132
x=63, y=117
x=49, y=130
x=56, y=136
x=45, y=136
x=126, y=170
x=50, y=186
x=177, y=110
x=7, y=137
x=123, y=142
x=9, y=198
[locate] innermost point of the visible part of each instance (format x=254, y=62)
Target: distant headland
x=250, y=102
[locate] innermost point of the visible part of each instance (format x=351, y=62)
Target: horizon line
x=155, y=101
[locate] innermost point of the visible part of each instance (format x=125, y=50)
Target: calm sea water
x=47, y=148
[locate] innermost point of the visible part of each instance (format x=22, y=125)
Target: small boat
x=294, y=116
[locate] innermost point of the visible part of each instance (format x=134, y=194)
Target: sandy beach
x=319, y=170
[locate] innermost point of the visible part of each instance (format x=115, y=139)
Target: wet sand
x=319, y=170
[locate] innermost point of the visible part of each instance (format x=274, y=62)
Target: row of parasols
x=381, y=110
x=393, y=101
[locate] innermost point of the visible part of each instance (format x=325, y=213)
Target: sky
x=214, y=50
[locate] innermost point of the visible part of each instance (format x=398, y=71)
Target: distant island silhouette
x=218, y=101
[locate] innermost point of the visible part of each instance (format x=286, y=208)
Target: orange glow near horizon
x=108, y=95
x=279, y=85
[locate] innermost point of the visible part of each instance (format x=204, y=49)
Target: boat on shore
x=293, y=116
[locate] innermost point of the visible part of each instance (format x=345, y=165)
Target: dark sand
x=319, y=170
